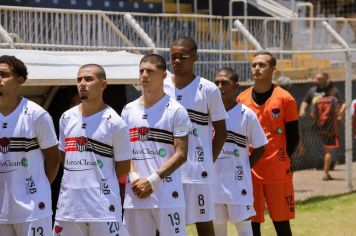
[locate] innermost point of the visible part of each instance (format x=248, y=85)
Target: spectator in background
x=326, y=111
x=284, y=82
x=353, y=113
x=315, y=92
x=321, y=80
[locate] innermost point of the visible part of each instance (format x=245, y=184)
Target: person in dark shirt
x=325, y=112
x=321, y=80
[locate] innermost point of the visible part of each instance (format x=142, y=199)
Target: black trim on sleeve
x=292, y=136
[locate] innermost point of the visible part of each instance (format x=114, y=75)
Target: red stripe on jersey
x=70, y=144
x=134, y=135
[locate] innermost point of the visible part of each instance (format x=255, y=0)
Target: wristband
x=133, y=176
x=153, y=179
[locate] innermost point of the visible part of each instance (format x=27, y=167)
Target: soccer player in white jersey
x=159, y=129
x=95, y=148
x=233, y=183
x=206, y=111
x=29, y=157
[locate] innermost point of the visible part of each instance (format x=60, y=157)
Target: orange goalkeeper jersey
x=280, y=108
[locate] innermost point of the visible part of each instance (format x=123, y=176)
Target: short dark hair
x=233, y=76
x=324, y=74
x=17, y=66
x=272, y=62
x=186, y=42
x=100, y=72
x=156, y=60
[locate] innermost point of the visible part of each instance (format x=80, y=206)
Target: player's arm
x=143, y=187
x=256, y=138
x=219, y=137
x=179, y=157
x=122, y=168
x=292, y=136
x=52, y=161
x=63, y=155
x=217, y=114
x=256, y=155
x=47, y=140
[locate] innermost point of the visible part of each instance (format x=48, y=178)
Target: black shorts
x=330, y=141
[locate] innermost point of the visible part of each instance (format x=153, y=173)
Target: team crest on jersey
x=82, y=143
x=4, y=125
x=179, y=97
x=4, y=145
x=58, y=230
x=276, y=112
x=143, y=133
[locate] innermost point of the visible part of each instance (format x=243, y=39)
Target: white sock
x=244, y=228
x=220, y=229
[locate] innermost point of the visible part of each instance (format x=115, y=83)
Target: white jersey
x=202, y=99
x=233, y=183
x=25, y=193
x=89, y=189
x=152, y=133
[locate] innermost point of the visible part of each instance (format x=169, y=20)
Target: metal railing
x=333, y=47
x=219, y=42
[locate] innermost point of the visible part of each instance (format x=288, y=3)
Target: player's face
x=9, y=82
x=151, y=77
x=89, y=86
x=226, y=85
x=182, y=59
x=261, y=69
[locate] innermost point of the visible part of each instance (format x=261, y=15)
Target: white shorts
x=68, y=228
x=199, y=200
x=233, y=213
x=37, y=227
x=168, y=221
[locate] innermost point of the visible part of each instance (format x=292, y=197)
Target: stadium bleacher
x=106, y=5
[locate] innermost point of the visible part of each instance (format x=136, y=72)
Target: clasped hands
x=141, y=187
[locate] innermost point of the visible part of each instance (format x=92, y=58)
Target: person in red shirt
x=272, y=176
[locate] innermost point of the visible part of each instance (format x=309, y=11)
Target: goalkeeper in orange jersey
x=272, y=175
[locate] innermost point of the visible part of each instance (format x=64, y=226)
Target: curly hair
x=17, y=66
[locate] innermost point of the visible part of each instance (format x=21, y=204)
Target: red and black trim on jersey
x=84, y=144
x=151, y=134
x=18, y=144
x=197, y=117
x=238, y=139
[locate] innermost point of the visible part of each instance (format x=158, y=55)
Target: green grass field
x=315, y=217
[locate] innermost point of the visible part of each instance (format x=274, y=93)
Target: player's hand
x=142, y=188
